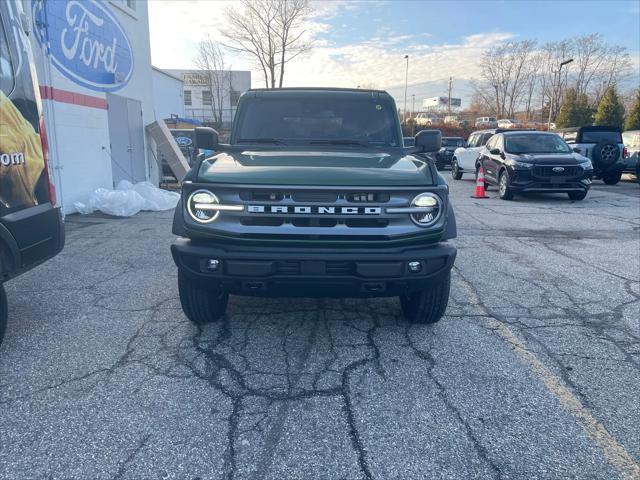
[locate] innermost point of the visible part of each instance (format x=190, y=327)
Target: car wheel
x=504, y=190
x=427, y=306
x=199, y=304
x=4, y=312
x=455, y=170
x=611, y=178
x=577, y=195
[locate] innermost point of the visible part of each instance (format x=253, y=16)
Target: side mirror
x=206, y=138
x=576, y=149
x=429, y=140
x=495, y=151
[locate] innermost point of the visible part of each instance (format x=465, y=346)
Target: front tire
x=611, y=178
x=455, y=170
x=4, y=312
x=577, y=195
x=429, y=305
x=200, y=305
x=504, y=190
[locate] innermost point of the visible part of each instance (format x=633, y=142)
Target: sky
x=364, y=42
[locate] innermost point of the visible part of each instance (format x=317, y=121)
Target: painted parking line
x=613, y=451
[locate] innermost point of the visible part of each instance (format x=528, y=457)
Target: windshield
x=339, y=119
x=531, y=143
x=453, y=142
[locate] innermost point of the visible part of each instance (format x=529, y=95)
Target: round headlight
x=198, y=206
x=429, y=208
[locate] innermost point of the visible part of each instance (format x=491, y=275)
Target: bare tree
x=211, y=63
x=271, y=32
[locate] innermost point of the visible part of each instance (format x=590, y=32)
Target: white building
x=167, y=94
x=202, y=104
x=94, y=68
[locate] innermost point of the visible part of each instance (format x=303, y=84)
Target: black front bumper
x=528, y=181
x=308, y=272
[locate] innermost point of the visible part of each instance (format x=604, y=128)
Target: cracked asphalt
x=533, y=373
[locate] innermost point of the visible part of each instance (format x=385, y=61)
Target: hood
x=316, y=167
x=550, y=158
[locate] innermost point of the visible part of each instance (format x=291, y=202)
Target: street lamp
x=406, y=79
x=562, y=64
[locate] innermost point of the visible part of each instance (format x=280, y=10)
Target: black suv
x=445, y=154
x=31, y=229
x=529, y=161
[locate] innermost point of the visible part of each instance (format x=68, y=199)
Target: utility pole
x=406, y=80
x=450, y=85
x=413, y=111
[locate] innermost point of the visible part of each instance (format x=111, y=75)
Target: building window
x=187, y=97
x=234, y=98
x=131, y=4
x=206, y=97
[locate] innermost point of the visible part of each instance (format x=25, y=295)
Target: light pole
x=406, y=80
x=553, y=92
x=413, y=111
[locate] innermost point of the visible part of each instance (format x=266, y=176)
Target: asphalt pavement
x=533, y=373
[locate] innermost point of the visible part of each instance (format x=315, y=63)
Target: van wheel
x=611, y=178
x=427, y=306
x=4, y=312
x=455, y=170
x=200, y=305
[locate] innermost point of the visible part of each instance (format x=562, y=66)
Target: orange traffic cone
x=480, y=185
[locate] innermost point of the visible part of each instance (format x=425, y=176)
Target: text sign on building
x=85, y=42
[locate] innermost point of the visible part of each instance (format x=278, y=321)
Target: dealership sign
x=85, y=42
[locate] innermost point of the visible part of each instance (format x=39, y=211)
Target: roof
x=159, y=70
x=590, y=128
x=314, y=89
x=526, y=132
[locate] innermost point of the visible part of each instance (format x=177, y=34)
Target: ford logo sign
x=85, y=42
x=558, y=169
x=184, y=141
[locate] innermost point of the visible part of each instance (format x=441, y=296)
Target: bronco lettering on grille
x=313, y=210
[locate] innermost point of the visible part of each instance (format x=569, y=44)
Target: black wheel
x=504, y=190
x=199, y=304
x=605, y=154
x=611, y=178
x=577, y=195
x=429, y=305
x=455, y=170
x=4, y=312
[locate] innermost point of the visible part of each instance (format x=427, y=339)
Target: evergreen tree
x=575, y=110
x=610, y=110
x=567, y=110
x=633, y=118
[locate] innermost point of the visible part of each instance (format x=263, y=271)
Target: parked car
x=526, y=161
x=317, y=196
x=631, y=140
x=31, y=228
x=507, y=123
x=603, y=145
x=464, y=157
x=486, y=122
x=427, y=119
x=445, y=154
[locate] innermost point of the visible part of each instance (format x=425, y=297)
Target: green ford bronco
x=316, y=196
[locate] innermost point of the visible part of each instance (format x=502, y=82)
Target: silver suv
x=602, y=145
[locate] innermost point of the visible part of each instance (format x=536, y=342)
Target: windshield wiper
x=274, y=141
x=340, y=142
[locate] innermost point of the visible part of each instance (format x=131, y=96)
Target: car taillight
x=45, y=155
x=625, y=152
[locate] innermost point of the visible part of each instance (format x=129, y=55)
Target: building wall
x=167, y=90
x=238, y=81
x=74, y=105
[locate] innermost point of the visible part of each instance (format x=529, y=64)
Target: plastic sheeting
x=128, y=199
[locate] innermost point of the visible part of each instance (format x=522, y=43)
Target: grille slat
x=547, y=171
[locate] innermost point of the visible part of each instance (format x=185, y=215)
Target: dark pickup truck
x=315, y=196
